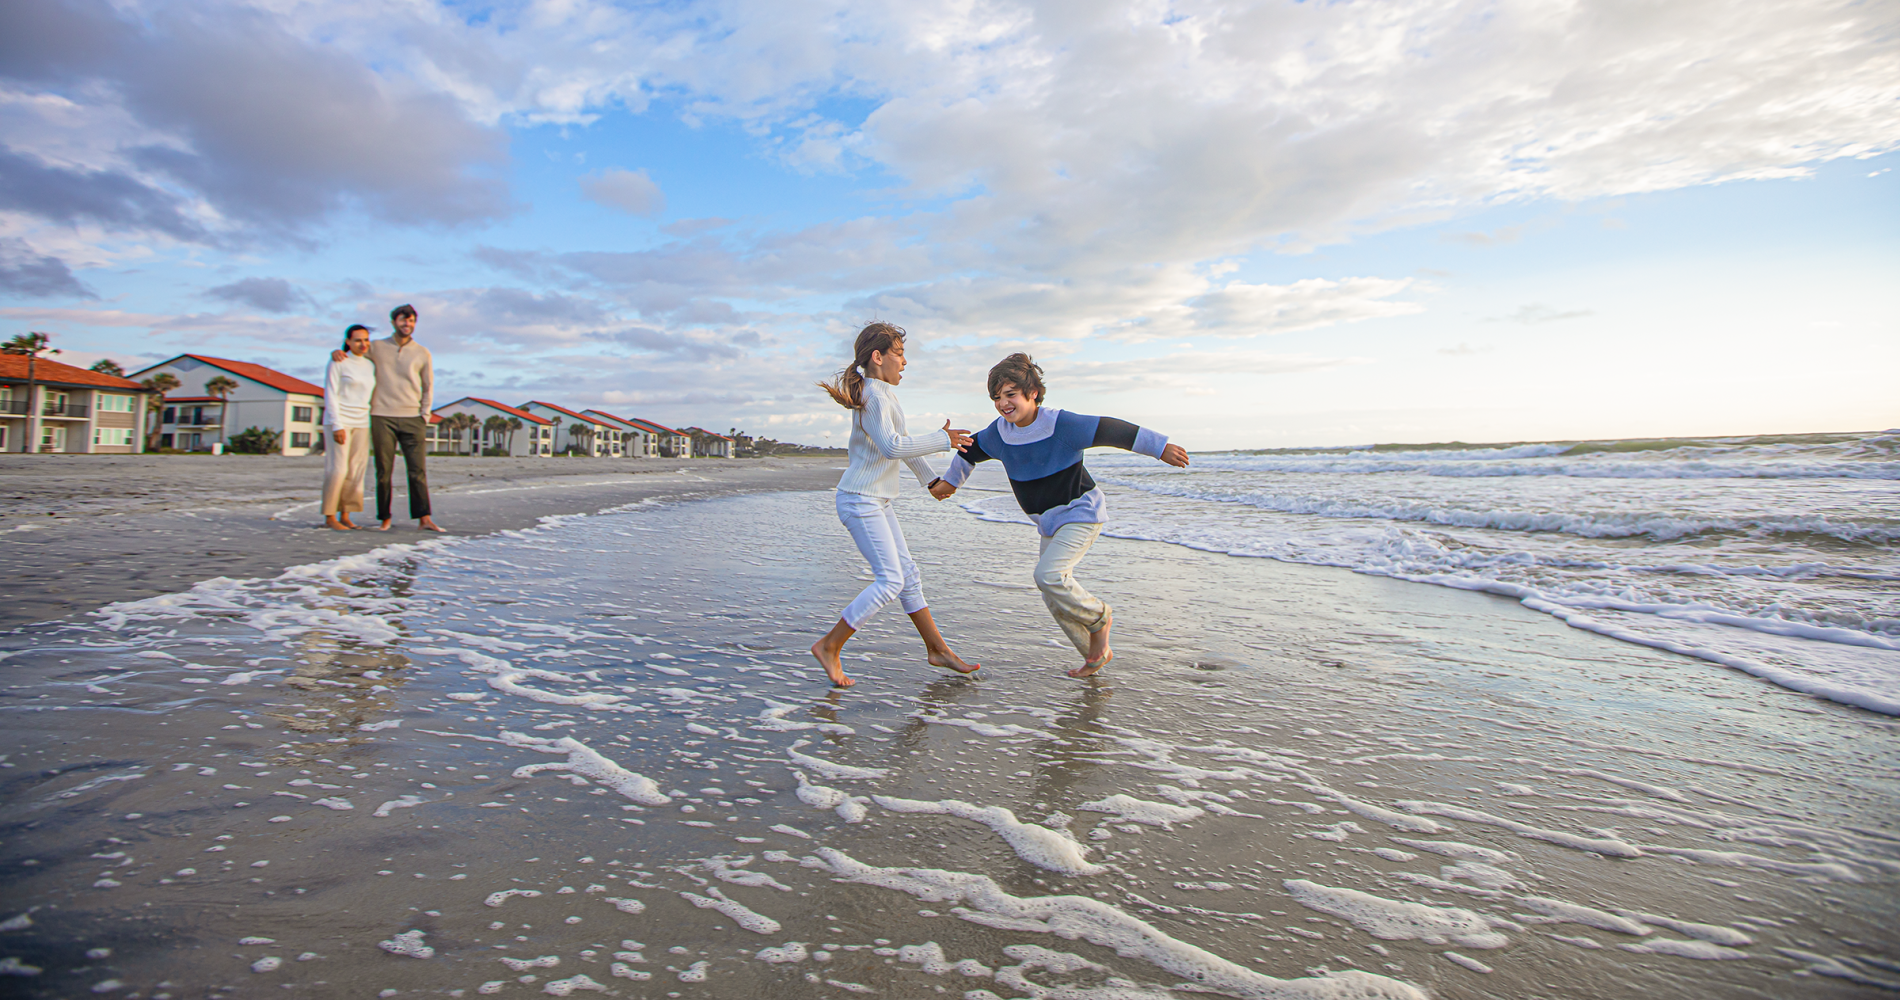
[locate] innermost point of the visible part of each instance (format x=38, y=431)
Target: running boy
x=1041, y=451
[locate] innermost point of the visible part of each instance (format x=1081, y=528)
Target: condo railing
x=65, y=410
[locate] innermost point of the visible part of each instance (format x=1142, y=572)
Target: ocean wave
x=1613, y=468
x=1655, y=526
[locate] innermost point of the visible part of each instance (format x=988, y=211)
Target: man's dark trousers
x=411, y=434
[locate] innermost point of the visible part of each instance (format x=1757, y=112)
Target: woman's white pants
x=873, y=525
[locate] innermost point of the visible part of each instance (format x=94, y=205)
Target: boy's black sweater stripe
x=1051, y=491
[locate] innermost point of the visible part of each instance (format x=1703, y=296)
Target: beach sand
x=84, y=530
x=595, y=753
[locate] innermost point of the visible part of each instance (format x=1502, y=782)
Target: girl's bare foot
x=951, y=661
x=1099, y=651
x=834, y=668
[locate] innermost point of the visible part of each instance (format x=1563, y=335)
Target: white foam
x=827, y=769
x=625, y=905
x=1133, y=810
x=1047, y=849
x=1684, y=949
x=498, y=898
x=1712, y=933
x=751, y=920
x=583, y=760
x=407, y=943
x=850, y=808
x=568, y=986
x=790, y=951
x=1379, y=814
x=1739, y=859
x=1395, y=920
x=1454, y=849
x=406, y=802
x=1101, y=924
x=1589, y=916
x=1606, y=846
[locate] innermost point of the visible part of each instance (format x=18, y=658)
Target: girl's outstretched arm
x=883, y=435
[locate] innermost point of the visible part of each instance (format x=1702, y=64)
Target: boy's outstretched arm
x=1175, y=455
x=1113, y=432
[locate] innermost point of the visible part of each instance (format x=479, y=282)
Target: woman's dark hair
x=848, y=387
x=1022, y=371
x=352, y=329
x=402, y=310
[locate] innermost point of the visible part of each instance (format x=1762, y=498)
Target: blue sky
x=1246, y=224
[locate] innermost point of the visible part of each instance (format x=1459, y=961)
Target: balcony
x=13, y=407
x=70, y=411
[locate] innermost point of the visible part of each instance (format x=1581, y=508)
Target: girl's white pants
x=873, y=525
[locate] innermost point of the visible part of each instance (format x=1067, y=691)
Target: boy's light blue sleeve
x=1149, y=443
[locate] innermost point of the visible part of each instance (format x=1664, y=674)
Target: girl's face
x=888, y=365
x=1015, y=406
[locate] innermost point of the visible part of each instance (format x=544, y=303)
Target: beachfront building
x=595, y=437
x=497, y=429
x=635, y=441
x=706, y=444
x=68, y=410
x=671, y=443
x=195, y=418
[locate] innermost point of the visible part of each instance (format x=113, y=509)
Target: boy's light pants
x=1076, y=610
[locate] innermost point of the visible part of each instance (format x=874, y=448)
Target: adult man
x=399, y=415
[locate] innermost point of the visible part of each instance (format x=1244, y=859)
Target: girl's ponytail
x=847, y=388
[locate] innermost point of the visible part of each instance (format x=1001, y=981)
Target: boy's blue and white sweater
x=1044, y=462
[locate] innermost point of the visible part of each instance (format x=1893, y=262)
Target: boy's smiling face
x=1015, y=406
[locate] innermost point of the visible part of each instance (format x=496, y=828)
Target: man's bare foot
x=834, y=668
x=428, y=524
x=385, y=526
x=951, y=661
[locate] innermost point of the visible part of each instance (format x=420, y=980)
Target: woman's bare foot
x=330, y=521
x=834, y=667
x=344, y=520
x=951, y=661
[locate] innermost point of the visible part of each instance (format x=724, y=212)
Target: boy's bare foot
x=834, y=668
x=385, y=526
x=428, y=524
x=951, y=661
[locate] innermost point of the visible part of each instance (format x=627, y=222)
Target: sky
x=1245, y=224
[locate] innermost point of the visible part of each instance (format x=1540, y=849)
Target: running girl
x=1041, y=450
x=878, y=442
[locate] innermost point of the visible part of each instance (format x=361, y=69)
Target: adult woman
x=346, y=390
x=868, y=387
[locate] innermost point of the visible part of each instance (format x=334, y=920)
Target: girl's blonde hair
x=848, y=387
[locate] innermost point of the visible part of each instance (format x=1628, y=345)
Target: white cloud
x=630, y=191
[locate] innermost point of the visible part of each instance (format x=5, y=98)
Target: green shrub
x=255, y=441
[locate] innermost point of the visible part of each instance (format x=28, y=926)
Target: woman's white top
x=878, y=443
x=346, y=390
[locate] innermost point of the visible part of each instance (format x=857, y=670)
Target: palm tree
x=160, y=384
x=32, y=345
x=496, y=427
x=464, y=424
x=514, y=424
x=107, y=366
x=222, y=388
x=574, y=432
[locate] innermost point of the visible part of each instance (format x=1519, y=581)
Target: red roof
x=192, y=399
x=13, y=366
x=560, y=409
x=702, y=430
x=650, y=425
x=617, y=420
x=503, y=407
x=256, y=373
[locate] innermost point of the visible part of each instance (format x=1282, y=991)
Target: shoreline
x=122, y=528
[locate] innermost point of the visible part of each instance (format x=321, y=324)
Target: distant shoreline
x=1576, y=446
x=82, y=531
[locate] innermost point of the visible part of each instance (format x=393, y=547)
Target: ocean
x=596, y=757
x=1772, y=555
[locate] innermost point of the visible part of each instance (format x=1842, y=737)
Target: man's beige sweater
x=405, y=379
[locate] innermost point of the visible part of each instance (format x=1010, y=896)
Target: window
x=164, y=440
x=300, y=439
x=112, y=436
x=170, y=416
x=300, y=415
x=112, y=404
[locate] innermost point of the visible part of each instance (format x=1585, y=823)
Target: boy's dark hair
x=353, y=327
x=402, y=310
x=1021, y=370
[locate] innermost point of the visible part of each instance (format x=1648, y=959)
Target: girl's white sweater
x=879, y=442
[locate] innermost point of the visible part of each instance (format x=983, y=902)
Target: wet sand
x=85, y=530
x=592, y=754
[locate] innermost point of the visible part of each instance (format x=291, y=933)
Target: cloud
x=24, y=271
x=1464, y=350
x=274, y=295
x=630, y=191
x=1537, y=313
x=1242, y=309
x=271, y=131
